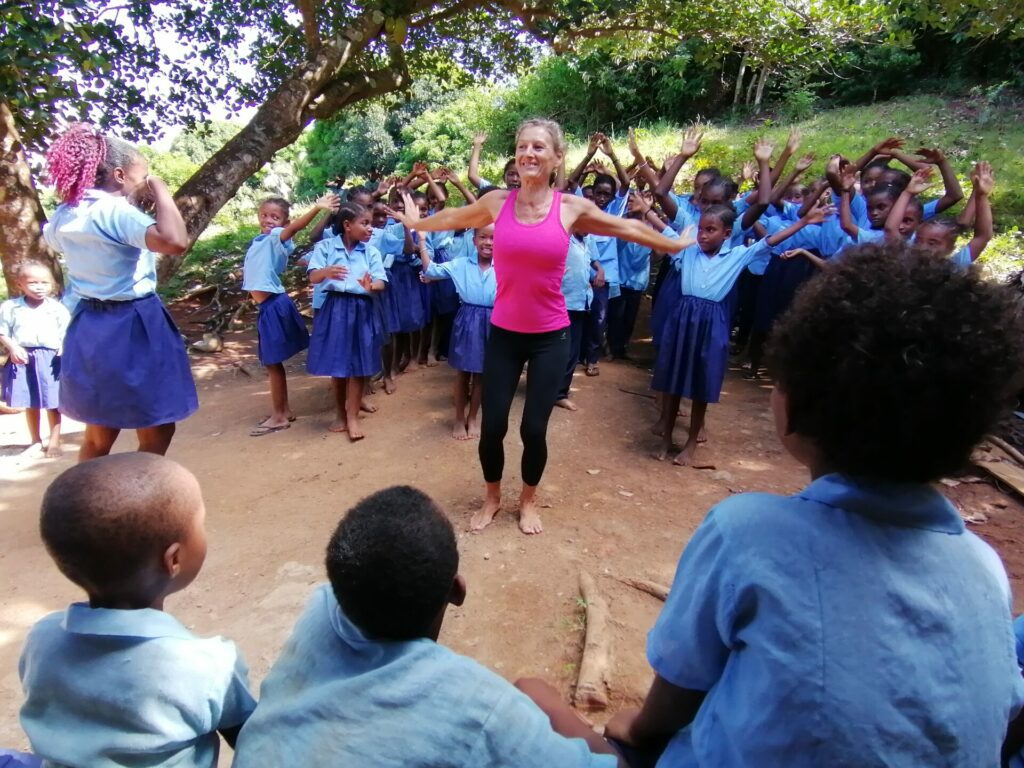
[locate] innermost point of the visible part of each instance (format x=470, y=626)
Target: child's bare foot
x=702, y=436
x=365, y=407
x=426, y=362
x=529, y=518
x=658, y=428
x=338, y=425
x=403, y=363
x=459, y=430
x=54, y=450
x=389, y=385
x=355, y=430
x=473, y=428
x=566, y=403
x=685, y=457
x=485, y=515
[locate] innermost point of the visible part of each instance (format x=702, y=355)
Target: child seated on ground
x=363, y=682
x=117, y=681
x=856, y=622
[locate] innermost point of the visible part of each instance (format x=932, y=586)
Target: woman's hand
x=410, y=217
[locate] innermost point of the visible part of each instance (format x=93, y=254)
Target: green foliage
x=172, y=167
x=201, y=141
x=870, y=73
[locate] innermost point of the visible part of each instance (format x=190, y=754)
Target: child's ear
x=457, y=595
x=172, y=560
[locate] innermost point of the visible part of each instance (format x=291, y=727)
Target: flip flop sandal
x=261, y=431
x=592, y=370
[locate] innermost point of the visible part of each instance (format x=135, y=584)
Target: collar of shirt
x=81, y=619
x=908, y=505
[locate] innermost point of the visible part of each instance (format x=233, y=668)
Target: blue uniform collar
x=907, y=505
x=339, y=245
x=81, y=619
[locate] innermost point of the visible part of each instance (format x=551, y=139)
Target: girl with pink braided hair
x=124, y=364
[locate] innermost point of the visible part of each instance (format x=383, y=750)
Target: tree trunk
x=739, y=80
x=750, y=88
x=21, y=214
x=760, y=88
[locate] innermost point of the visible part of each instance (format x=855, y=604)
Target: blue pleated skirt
x=781, y=280
x=470, y=330
x=407, y=295
x=693, y=353
x=669, y=296
x=346, y=338
x=443, y=294
x=125, y=366
x=389, y=305
x=36, y=384
x=280, y=329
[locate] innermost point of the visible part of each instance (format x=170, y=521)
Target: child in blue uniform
x=474, y=280
x=583, y=272
x=694, y=351
x=634, y=268
x=280, y=328
x=124, y=364
x=857, y=622
x=116, y=681
x=347, y=332
x=32, y=328
x=362, y=681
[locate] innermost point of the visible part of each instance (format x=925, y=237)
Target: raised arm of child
x=437, y=190
x=779, y=190
x=982, y=181
x=953, y=192
x=456, y=182
x=329, y=202
x=847, y=178
x=609, y=151
x=690, y=147
x=813, y=196
x=918, y=183
x=168, y=235
x=913, y=163
x=763, y=154
x=884, y=147
x=792, y=145
x=815, y=216
x=579, y=170
x=643, y=166
x=474, y=161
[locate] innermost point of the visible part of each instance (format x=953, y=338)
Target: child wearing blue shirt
x=634, y=272
x=363, y=682
x=32, y=330
x=476, y=287
x=117, y=681
x=583, y=272
x=280, y=329
x=348, y=332
x=857, y=622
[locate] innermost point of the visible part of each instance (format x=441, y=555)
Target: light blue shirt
x=103, y=239
x=391, y=242
x=607, y=246
x=363, y=258
x=712, y=277
x=847, y=625
x=474, y=285
x=42, y=326
x=634, y=265
x=687, y=214
x=576, y=285
x=440, y=241
x=265, y=260
x=809, y=236
x=338, y=698
x=462, y=246
x=129, y=689
x=962, y=258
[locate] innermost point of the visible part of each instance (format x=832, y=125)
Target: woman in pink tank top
x=529, y=323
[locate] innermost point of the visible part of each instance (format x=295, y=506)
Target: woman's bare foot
x=389, y=385
x=473, y=428
x=529, y=518
x=485, y=515
x=459, y=430
x=365, y=407
x=566, y=403
x=338, y=425
x=685, y=457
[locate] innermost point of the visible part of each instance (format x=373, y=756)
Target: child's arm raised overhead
x=918, y=183
x=474, y=161
x=953, y=192
x=763, y=154
x=814, y=195
x=437, y=190
x=779, y=190
x=913, y=163
x=983, y=181
x=328, y=202
x=168, y=235
x=792, y=145
x=579, y=170
x=609, y=151
x=884, y=147
x=847, y=178
x=690, y=147
x=643, y=166
x=449, y=175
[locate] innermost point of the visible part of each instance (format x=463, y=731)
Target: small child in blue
x=348, y=332
x=117, y=681
x=693, y=353
x=362, y=681
x=857, y=622
x=476, y=286
x=583, y=272
x=280, y=328
x=32, y=330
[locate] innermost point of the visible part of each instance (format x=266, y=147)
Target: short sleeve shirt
x=265, y=260
x=29, y=326
x=361, y=259
x=474, y=285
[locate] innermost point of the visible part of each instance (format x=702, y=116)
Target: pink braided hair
x=72, y=161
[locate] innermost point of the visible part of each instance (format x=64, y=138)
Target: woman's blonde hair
x=553, y=129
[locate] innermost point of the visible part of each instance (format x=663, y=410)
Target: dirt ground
x=273, y=501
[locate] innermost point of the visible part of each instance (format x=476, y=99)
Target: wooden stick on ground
x=1006, y=448
x=648, y=587
x=592, y=684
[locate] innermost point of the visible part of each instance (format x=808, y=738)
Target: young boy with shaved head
x=116, y=681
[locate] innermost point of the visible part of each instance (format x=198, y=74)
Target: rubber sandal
x=593, y=370
x=261, y=431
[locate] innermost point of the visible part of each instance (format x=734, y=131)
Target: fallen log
x=649, y=587
x=592, y=684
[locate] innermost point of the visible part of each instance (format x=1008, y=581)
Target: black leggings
x=507, y=352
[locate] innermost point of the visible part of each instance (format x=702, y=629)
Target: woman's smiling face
x=536, y=158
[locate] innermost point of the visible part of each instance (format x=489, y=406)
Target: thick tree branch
x=309, y=27
x=445, y=13
x=357, y=86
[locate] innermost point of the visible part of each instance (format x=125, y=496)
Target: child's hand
x=886, y=145
x=329, y=202
x=637, y=204
x=805, y=162
x=748, y=172
x=933, y=156
x=920, y=181
x=17, y=353
x=793, y=142
x=479, y=139
x=606, y=146
x=598, y=281
x=419, y=168
x=787, y=255
x=634, y=148
x=366, y=281
x=335, y=272
x=595, y=142
x=620, y=727
x=763, y=150
x=819, y=213
x=983, y=179
x=691, y=141
x=847, y=175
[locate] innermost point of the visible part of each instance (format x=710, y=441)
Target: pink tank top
x=529, y=263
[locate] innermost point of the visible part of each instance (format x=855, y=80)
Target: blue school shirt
x=265, y=260
x=687, y=214
x=103, y=239
x=809, y=236
x=607, y=246
x=634, y=265
x=474, y=286
x=42, y=326
x=391, y=243
x=852, y=624
x=338, y=698
x=576, y=285
x=962, y=258
x=129, y=689
x=461, y=246
x=363, y=258
x=712, y=277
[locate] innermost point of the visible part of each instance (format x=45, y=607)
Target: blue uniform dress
x=694, y=351
x=390, y=241
x=782, y=277
x=280, y=329
x=476, y=288
x=124, y=364
x=336, y=697
x=852, y=624
x=579, y=293
x=112, y=688
x=443, y=295
x=348, y=332
x=634, y=274
x=407, y=292
x=40, y=331
x=608, y=254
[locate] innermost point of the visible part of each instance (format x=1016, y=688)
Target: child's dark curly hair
x=895, y=363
